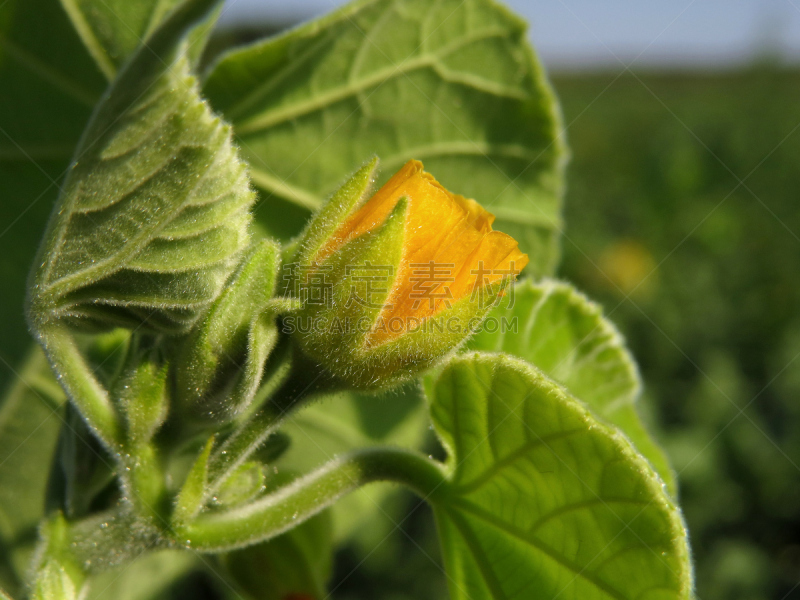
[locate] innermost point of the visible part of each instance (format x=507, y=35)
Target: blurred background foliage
x=682, y=220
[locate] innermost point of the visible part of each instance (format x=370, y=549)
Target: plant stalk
x=291, y=505
x=80, y=384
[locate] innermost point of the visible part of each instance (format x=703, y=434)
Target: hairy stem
x=80, y=384
x=289, y=506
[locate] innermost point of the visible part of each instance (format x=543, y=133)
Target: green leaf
x=112, y=30
x=154, y=215
x=563, y=333
x=30, y=419
x=453, y=83
x=543, y=500
x=294, y=565
x=346, y=422
x=48, y=86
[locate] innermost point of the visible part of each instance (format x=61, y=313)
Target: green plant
x=162, y=308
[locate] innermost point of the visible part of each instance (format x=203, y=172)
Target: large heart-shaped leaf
x=453, y=83
x=563, y=333
x=154, y=214
x=544, y=501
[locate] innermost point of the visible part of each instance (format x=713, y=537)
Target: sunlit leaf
x=49, y=84
x=543, y=500
x=560, y=331
x=452, y=83
x=112, y=29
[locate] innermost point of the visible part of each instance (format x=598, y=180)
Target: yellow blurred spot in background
x=628, y=268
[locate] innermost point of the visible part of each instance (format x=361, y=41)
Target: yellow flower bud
x=444, y=267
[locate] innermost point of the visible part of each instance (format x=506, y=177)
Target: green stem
x=289, y=506
x=144, y=481
x=80, y=384
x=296, y=389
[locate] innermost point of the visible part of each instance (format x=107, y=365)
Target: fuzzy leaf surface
x=453, y=83
x=153, y=216
x=556, y=328
x=543, y=500
x=49, y=84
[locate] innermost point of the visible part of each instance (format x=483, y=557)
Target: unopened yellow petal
x=449, y=248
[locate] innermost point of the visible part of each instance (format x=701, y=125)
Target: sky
x=602, y=33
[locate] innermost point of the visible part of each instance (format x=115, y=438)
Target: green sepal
x=333, y=333
x=433, y=340
x=333, y=212
x=192, y=496
x=336, y=333
x=243, y=485
x=222, y=360
x=262, y=340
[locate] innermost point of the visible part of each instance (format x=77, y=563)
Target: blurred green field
x=683, y=217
